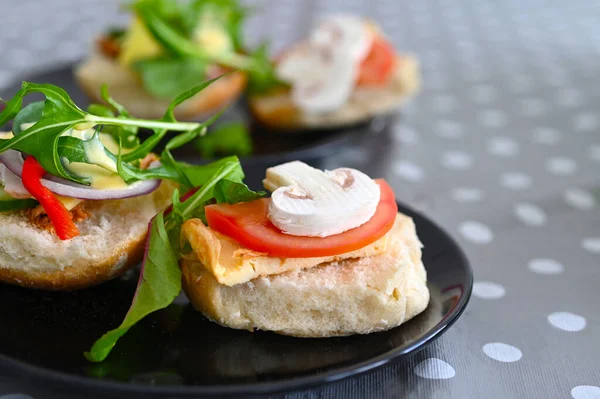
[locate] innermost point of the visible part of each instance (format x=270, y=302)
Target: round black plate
x=179, y=353
x=270, y=148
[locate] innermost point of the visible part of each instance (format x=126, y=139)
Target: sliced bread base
x=111, y=242
x=125, y=87
x=355, y=296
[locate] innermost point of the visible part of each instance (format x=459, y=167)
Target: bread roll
x=125, y=87
x=111, y=241
x=352, y=296
x=277, y=111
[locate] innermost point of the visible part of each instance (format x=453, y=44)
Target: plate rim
x=265, y=387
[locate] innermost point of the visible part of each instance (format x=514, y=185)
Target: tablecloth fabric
x=502, y=148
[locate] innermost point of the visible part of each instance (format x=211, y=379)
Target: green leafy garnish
x=160, y=277
x=228, y=139
x=166, y=77
x=8, y=203
x=51, y=140
x=195, y=35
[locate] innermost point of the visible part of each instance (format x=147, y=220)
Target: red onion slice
x=13, y=160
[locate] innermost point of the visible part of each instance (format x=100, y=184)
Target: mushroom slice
x=314, y=203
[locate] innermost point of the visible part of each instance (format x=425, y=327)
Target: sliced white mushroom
x=310, y=202
x=344, y=33
x=322, y=70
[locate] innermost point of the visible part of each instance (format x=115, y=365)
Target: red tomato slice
x=248, y=224
x=378, y=66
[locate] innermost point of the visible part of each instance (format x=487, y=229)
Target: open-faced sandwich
x=169, y=47
x=345, y=72
x=327, y=254
x=77, y=188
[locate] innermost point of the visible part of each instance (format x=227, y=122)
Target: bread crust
x=79, y=276
x=124, y=86
x=28, y=259
x=277, y=111
x=352, y=296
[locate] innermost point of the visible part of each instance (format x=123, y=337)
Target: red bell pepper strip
x=61, y=218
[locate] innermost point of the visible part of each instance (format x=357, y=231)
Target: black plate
x=270, y=148
x=177, y=352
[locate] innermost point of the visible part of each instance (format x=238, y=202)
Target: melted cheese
x=99, y=178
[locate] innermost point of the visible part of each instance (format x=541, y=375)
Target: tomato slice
x=378, y=66
x=248, y=224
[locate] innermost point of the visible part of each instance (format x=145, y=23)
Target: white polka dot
x=570, y=98
x=467, y=194
x=516, y=180
x=488, y=290
x=545, y=266
x=406, y=135
x=530, y=214
x=561, y=166
x=533, y=107
x=434, y=369
x=521, y=84
x=585, y=392
x=567, y=321
x=591, y=244
x=483, y=94
x=503, y=147
x=492, y=118
x=585, y=121
x=594, y=153
x=545, y=135
x=579, y=199
x=502, y=352
x=443, y=103
x=408, y=171
x=476, y=232
x=457, y=160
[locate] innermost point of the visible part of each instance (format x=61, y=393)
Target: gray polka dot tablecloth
x=502, y=148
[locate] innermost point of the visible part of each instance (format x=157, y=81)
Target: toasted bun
x=111, y=241
x=125, y=87
x=277, y=111
x=352, y=296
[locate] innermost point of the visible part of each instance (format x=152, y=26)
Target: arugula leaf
x=45, y=141
x=127, y=135
x=164, y=77
x=30, y=114
x=232, y=192
x=8, y=203
x=17, y=204
x=263, y=77
x=228, y=139
x=160, y=278
x=158, y=286
x=147, y=146
x=198, y=176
